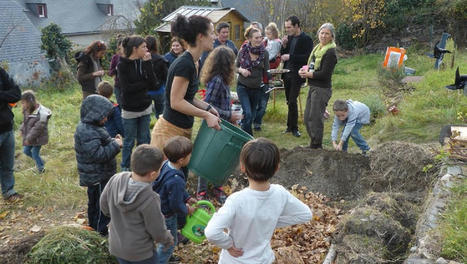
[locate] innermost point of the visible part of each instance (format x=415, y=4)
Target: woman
x=176, y=50
x=253, y=64
x=319, y=71
x=272, y=43
x=217, y=74
x=181, y=106
x=159, y=65
x=136, y=78
x=90, y=67
x=113, y=68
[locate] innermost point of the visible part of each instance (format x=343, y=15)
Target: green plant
x=65, y=245
x=55, y=45
x=376, y=105
x=344, y=37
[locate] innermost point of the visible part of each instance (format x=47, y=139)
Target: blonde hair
x=249, y=32
x=273, y=28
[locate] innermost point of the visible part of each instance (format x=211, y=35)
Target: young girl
x=217, y=74
x=34, y=127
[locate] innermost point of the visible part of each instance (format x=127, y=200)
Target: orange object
x=12, y=104
x=394, y=57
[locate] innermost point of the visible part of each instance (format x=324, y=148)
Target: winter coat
x=136, y=78
x=95, y=149
x=160, y=67
x=9, y=94
x=34, y=127
x=85, y=70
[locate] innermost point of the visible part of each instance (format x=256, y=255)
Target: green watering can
x=197, y=222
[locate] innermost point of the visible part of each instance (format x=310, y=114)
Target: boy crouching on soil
x=352, y=115
x=95, y=154
x=252, y=214
x=135, y=210
x=171, y=186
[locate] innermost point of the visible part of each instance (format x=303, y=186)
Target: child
x=114, y=121
x=217, y=74
x=135, y=210
x=171, y=187
x=34, y=127
x=95, y=154
x=352, y=115
x=252, y=214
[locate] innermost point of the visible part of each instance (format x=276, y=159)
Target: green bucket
x=197, y=222
x=216, y=152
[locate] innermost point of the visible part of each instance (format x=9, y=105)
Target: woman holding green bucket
x=182, y=83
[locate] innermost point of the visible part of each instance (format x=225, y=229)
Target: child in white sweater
x=252, y=214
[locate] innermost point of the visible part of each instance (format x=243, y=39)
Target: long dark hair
x=95, y=47
x=221, y=61
x=189, y=28
x=131, y=42
x=152, y=44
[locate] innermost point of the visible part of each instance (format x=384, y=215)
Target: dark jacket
x=171, y=187
x=34, y=127
x=9, y=94
x=114, y=123
x=136, y=77
x=160, y=67
x=85, y=70
x=322, y=76
x=255, y=79
x=95, y=149
x=299, y=56
x=170, y=57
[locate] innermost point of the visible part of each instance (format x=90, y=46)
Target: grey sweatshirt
x=136, y=222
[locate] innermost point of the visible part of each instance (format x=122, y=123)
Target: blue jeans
x=135, y=128
x=158, y=100
x=7, y=161
x=357, y=138
x=249, y=99
x=34, y=153
x=97, y=219
x=261, y=110
x=163, y=256
x=151, y=260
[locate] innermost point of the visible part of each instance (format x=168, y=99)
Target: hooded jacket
x=136, y=78
x=85, y=70
x=135, y=223
x=34, y=127
x=95, y=149
x=9, y=94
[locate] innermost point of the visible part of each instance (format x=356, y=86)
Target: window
x=42, y=10
x=237, y=32
x=110, y=10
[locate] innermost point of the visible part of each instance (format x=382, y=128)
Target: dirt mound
x=400, y=167
x=335, y=174
x=16, y=252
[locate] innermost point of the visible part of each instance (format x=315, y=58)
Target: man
x=296, y=48
x=9, y=95
x=223, y=31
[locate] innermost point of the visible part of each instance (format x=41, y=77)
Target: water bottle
x=237, y=108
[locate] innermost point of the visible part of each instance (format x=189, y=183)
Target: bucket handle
x=207, y=203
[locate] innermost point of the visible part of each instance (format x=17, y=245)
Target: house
x=229, y=15
x=83, y=21
x=20, y=41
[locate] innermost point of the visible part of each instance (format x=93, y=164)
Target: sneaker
x=220, y=195
x=257, y=128
x=40, y=171
x=288, y=130
x=201, y=196
x=182, y=239
x=296, y=133
x=174, y=259
x=14, y=198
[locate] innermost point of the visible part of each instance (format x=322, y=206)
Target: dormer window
x=110, y=10
x=41, y=10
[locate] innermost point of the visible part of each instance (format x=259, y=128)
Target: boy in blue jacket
x=352, y=115
x=114, y=123
x=171, y=187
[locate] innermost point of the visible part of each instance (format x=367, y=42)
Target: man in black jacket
x=296, y=48
x=9, y=95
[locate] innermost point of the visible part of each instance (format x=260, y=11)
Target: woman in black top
x=159, y=65
x=90, y=67
x=136, y=78
x=318, y=72
x=182, y=83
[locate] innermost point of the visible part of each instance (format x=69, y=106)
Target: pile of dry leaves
x=306, y=243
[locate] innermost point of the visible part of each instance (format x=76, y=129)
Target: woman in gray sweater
x=252, y=64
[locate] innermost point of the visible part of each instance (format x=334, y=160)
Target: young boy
x=95, y=154
x=114, y=123
x=135, y=210
x=171, y=187
x=252, y=214
x=352, y=115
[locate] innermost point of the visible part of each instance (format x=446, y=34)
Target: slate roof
x=77, y=17
x=24, y=41
x=243, y=6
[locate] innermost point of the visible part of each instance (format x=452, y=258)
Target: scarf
x=318, y=53
x=245, y=59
